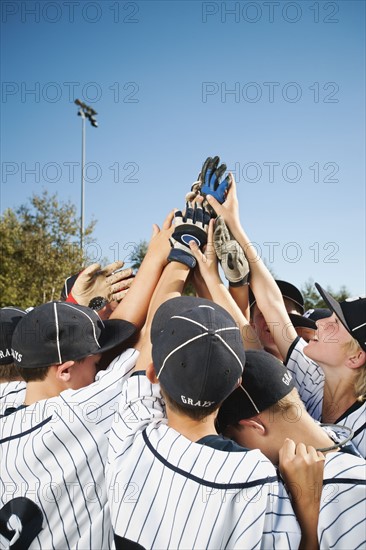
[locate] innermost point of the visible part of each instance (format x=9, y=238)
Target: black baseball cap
x=58, y=331
x=197, y=351
x=9, y=318
x=289, y=291
x=317, y=313
x=351, y=312
x=264, y=382
x=68, y=284
x=301, y=321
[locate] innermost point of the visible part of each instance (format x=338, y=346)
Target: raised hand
x=231, y=255
x=109, y=283
x=210, y=176
x=190, y=226
x=209, y=181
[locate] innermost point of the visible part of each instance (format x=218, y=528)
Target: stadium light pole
x=86, y=112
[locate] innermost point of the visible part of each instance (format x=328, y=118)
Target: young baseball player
x=12, y=387
x=9, y=318
x=264, y=410
x=329, y=371
x=294, y=304
x=53, y=447
x=173, y=482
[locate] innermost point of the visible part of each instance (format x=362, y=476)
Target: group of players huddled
x=134, y=416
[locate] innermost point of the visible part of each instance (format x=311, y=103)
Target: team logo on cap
x=17, y=356
x=189, y=401
x=5, y=354
x=286, y=379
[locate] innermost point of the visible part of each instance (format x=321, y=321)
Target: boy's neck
x=39, y=390
x=337, y=398
x=308, y=432
x=194, y=430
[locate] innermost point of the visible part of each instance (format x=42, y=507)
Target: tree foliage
x=138, y=254
x=39, y=248
x=313, y=299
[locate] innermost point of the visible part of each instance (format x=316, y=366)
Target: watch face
x=97, y=303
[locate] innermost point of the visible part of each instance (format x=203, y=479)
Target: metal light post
x=85, y=112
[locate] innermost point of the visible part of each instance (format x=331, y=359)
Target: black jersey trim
x=356, y=405
x=17, y=436
x=359, y=430
x=11, y=393
x=126, y=544
x=200, y=481
x=291, y=349
x=344, y=481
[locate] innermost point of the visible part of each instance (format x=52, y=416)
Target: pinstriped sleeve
x=342, y=518
x=140, y=404
x=100, y=401
x=308, y=378
x=281, y=528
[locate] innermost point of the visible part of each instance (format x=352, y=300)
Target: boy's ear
x=63, y=372
x=253, y=424
x=150, y=373
x=357, y=360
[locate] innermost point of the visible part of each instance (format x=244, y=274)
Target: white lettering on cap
x=287, y=378
x=189, y=401
x=6, y=354
x=17, y=356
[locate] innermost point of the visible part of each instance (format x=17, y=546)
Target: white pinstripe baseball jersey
x=342, y=517
x=12, y=394
x=166, y=491
x=6, y=387
x=309, y=381
x=52, y=457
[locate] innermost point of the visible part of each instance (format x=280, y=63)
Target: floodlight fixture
x=85, y=111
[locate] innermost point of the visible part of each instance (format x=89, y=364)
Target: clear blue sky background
x=159, y=75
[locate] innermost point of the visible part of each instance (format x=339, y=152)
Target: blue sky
x=276, y=89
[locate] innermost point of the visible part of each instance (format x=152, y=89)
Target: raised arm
x=266, y=291
x=302, y=469
x=207, y=262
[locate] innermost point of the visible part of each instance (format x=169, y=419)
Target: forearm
x=200, y=285
x=268, y=295
x=302, y=468
x=221, y=296
x=135, y=304
x=170, y=285
x=240, y=295
x=262, y=282
x=309, y=537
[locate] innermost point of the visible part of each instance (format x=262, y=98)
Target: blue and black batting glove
x=192, y=226
x=210, y=176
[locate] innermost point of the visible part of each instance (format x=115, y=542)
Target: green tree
x=313, y=299
x=39, y=248
x=138, y=254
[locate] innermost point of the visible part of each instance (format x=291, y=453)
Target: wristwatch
x=97, y=303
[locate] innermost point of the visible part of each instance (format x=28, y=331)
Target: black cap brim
x=116, y=331
x=333, y=305
x=299, y=321
x=318, y=313
x=288, y=290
